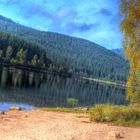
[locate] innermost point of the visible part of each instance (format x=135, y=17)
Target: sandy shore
x=43, y=125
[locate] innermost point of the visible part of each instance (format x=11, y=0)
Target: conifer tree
x=9, y=52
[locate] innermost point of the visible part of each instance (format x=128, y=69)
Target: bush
x=72, y=102
x=123, y=115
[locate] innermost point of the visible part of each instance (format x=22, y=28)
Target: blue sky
x=95, y=20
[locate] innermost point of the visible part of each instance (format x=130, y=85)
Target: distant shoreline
x=105, y=81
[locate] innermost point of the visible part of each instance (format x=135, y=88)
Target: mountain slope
x=78, y=55
x=119, y=52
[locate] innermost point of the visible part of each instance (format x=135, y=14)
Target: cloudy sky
x=95, y=20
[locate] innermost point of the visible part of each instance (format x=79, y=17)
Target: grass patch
x=68, y=110
x=118, y=115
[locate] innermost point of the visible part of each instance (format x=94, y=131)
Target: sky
x=94, y=20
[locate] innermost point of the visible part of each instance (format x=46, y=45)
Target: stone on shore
x=114, y=134
x=2, y=112
x=15, y=108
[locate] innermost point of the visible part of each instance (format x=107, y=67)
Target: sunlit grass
x=68, y=110
x=112, y=114
x=118, y=115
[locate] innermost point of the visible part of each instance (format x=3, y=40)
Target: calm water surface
x=54, y=91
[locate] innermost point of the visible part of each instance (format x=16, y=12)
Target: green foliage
x=21, y=56
x=77, y=55
x=9, y=52
x=130, y=27
x=34, y=60
x=20, y=51
x=121, y=115
x=72, y=102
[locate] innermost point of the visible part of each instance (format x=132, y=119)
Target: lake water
x=4, y=106
x=54, y=91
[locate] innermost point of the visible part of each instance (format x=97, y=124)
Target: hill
x=119, y=52
x=78, y=55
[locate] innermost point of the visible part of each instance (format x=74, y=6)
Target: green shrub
x=116, y=114
x=72, y=102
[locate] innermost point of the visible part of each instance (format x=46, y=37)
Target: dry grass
x=119, y=115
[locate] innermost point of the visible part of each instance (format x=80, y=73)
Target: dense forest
x=19, y=51
x=15, y=50
x=119, y=51
x=77, y=55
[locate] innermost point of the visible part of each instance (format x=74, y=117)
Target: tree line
x=16, y=50
x=19, y=51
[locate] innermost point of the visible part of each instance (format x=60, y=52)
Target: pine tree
x=21, y=54
x=34, y=60
x=9, y=53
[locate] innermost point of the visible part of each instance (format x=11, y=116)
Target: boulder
x=85, y=109
x=114, y=134
x=15, y=108
x=2, y=112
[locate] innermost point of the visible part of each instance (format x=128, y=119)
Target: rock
x=2, y=112
x=114, y=134
x=81, y=108
x=85, y=109
x=77, y=108
x=26, y=116
x=15, y=108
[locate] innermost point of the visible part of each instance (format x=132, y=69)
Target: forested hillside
x=119, y=52
x=15, y=50
x=78, y=55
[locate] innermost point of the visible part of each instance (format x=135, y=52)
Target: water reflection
x=55, y=90
x=10, y=76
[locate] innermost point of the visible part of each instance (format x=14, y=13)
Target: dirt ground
x=43, y=125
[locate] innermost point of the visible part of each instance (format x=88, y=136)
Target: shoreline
x=49, y=125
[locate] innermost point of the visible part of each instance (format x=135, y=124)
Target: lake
x=29, y=90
